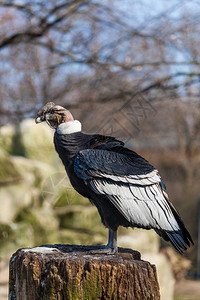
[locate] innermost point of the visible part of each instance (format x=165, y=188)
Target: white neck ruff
x=69, y=127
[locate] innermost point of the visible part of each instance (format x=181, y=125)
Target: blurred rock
x=43, y=224
x=32, y=172
x=14, y=236
x=4, y=272
x=38, y=142
x=6, y=137
x=13, y=198
x=140, y=239
x=180, y=265
x=16, y=195
x=29, y=140
x=8, y=172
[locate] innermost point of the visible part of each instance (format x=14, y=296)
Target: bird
x=125, y=188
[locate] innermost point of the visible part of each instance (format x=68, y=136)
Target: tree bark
x=62, y=272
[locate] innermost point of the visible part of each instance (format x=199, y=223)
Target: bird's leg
x=112, y=240
x=111, y=247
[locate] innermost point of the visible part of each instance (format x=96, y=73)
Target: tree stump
x=70, y=272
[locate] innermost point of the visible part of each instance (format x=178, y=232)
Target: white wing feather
x=146, y=179
x=144, y=205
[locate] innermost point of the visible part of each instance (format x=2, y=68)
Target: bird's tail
x=181, y=238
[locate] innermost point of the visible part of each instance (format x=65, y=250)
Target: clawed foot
x=104, y=250
x=110, y=248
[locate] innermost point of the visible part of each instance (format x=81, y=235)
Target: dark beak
x=39, y=119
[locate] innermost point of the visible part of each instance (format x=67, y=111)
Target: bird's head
x=54, y=115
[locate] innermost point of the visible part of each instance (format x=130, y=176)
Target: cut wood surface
x=70, y=272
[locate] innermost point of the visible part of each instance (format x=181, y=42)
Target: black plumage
x=124, y=187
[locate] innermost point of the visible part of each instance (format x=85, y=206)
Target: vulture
x=126, y=189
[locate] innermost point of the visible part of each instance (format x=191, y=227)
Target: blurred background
x=124, y=68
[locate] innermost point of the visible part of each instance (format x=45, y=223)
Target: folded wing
x=135, y=188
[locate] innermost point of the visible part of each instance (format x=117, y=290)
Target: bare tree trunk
x=71, y=272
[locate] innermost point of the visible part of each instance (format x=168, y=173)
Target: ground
x=187, y=290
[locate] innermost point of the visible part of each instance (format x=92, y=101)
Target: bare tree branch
x=38, y=31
